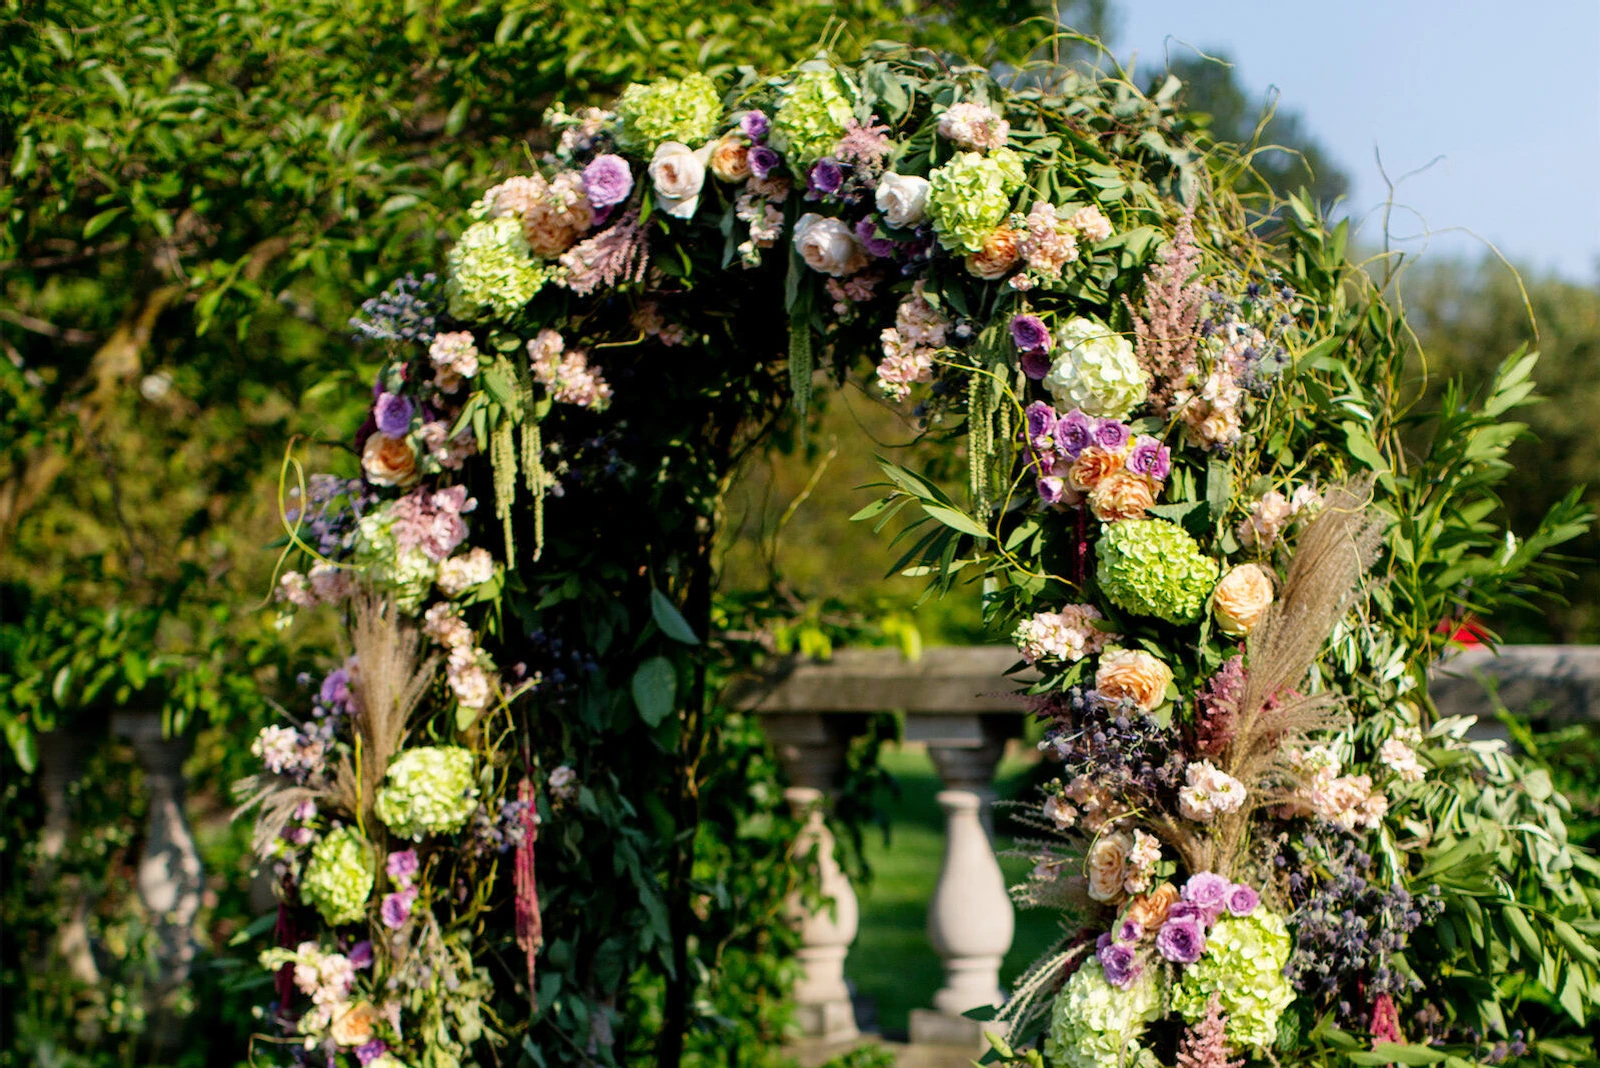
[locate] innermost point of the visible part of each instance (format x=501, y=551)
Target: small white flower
x=903, y=199
x=679, y=173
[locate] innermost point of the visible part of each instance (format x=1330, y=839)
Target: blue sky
x=1507, y=94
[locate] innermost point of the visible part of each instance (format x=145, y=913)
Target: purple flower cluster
x=1056, y=441
x=403, y=312
x=1116, y=746
x=330, y=511
x=1205, y=898
x=1034, y=342
x=402, y=868
x=1349, y=926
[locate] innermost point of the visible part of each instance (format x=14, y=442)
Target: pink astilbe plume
x=1205, y=1045
x=1385, y=1025
x=530, y=925
x=1218, y=708
x=618, y=253
x=1167, y=331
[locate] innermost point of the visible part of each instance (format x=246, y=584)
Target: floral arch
x=1191, y=501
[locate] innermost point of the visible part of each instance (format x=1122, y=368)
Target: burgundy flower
x=1181, y=940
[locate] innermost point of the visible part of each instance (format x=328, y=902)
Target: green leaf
x=1219, y=489
x=101, y=221
x=1362, y=447
x=655, y=688
x=1398, y=1053
x=955, y=519
x=24, y=746
x=670, y=620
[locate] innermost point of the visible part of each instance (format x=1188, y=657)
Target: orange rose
x=730, y=158
x=1150, y=910
x=1092, y=465
x=1134, y=675
x=1122, y=495
x=389, y=461
x=1241, y=599
x=1000, y=252
x=354, y=1025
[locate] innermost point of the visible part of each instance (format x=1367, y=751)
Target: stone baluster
x=170, y=880
x=63, y=753
x=811, y=749
x=970, y=918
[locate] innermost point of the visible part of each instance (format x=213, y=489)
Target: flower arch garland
x=1187, y=501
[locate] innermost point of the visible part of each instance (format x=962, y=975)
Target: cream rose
x=353, y=1027
x=828, y=246
x=730, y=157
x=903, y=199
x=1002, y=248
x=1108, y=866
x=1135, y=675
x=1122, y=495
x=389, y=461
x=679, y=173
x=1241, y=599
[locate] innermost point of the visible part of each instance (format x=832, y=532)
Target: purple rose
x=1120, y=962
x=1181, y=940
x=371, y=1051
x=1130, y=931
x=1052, y=489
x=1110, y=435
x=1242, y=900
x=607, y=180
x=1188, y=910
x=1041, y=425
x=763, y=161
x=396, y=907
x=1208, y=891
x=1035, y=364
x=360, y=955
x=1030, y=334
x=754, y=125
x=1150, y=457
x=826, y=176
x=392, y=413
x=402, y=866
x=867, y=234
x=335, y=688
x=1074, y=433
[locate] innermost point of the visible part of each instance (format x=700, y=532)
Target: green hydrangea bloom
x=428, y=790
x=671, y=109
x=1095, y=370
x=1153, y=568
x=408, y=573
x=1242, y=965
x=1095, y=1025
x=491, y=266
x=812, y=112
x=338, y=878
x=971, y=195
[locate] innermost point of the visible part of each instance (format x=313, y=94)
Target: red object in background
x=1466, y=631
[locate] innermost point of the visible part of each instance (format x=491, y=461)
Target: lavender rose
x=1242, y=900
x=1181, y=940
x=1030, y=334
x=1150, y=457
x=393, y=414
x=763, y=161
x=1041, y=426
x=826, y=176
x=1074, y=433
x=755, y=125
x=396, y=908
x=607, y=180
x=402, y=867
x=1111, y=435
x=1209, y=891
x=1052, y=489
x=360, y=955
x=1036, y=364
x=867, y=234
x=1120, y=962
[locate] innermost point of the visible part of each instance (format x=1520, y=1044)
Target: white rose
x=1108, y=867
x=828, y=246
x=679, y=173
x=903, y=199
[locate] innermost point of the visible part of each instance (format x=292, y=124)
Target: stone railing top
x=1557, y=682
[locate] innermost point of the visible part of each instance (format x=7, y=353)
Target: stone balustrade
x=960, y=704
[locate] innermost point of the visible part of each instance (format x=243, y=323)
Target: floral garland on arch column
x=1185, y=489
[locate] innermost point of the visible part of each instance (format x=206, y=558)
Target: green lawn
x=891, y=961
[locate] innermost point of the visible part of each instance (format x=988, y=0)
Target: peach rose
x=1150, y=910
x=1000, y=252
x=730, y=157
x=1135, y=675
x=354, y=1026
x=389, y=461
x=1122, y=495
x=1092, y=465
x=1241, y=599
x=1108, y=866
x=554, y=222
